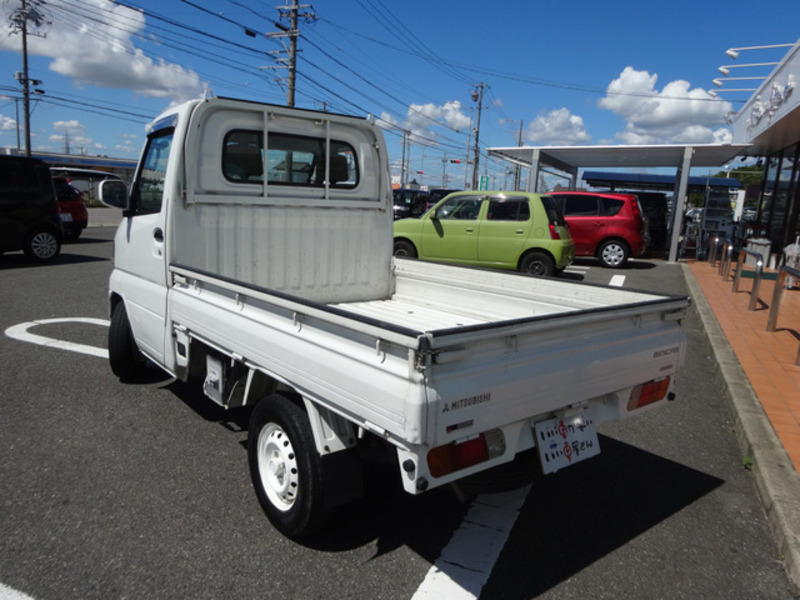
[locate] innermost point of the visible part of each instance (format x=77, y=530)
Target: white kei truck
x=255, y=254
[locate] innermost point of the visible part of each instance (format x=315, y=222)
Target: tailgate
x=536, y=367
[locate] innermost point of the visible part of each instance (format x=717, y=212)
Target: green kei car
x=506, y=230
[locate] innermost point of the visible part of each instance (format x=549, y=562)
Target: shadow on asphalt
x=574, y=518
x=570, y=520
x=20, y=261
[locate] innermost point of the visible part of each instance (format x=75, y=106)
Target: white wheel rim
x=277, y=466
x=43, y=245
x=613, y=254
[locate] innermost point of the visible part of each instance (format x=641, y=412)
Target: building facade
x=770, y=123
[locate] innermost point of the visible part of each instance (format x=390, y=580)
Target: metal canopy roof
x=655, y=182
x=569, y=158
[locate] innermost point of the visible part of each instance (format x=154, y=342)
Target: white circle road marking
x=20, y=332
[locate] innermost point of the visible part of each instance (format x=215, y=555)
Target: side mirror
x=113, y=193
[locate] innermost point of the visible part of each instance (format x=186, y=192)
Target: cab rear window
x=290, y=160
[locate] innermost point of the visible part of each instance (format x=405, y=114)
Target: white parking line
x=20, y=332
x=468, y=559
x=7, y=593
x=617, y=281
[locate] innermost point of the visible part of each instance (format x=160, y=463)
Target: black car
x=29, y=218
x=409, y=203
x=439, y=193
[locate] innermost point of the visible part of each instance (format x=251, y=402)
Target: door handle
x=158, y=234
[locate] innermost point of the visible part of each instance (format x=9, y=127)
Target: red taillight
x=455, y=456
x=554, y=235
x=649, y=392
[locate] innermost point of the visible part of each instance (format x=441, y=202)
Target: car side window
x=580, y=206
x=508, y=209
x=149, y=190
x=610, y=207
x=460, y=208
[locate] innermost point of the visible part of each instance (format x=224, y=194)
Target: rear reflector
x=649, y=392
x=460, y=455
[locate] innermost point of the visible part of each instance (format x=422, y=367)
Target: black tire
x=613, y=253
x=537, y=263
x=285, y=467
x=405, y=249
x=126, y=361
x=42, y=245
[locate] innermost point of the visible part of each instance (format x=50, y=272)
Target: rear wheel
x=613, y=253
x=405, y=248
x=537, y=263
x=126, y=361
x=285, y=467
x=42, y=245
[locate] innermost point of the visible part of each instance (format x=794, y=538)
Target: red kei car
x=74, y=216
x=610, y=226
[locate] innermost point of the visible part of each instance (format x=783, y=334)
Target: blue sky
x=575, y=72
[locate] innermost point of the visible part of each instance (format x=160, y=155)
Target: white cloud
x=102, y=53
x=676, y=114
x=7, y=123
x=557, y=128
x=423, y=120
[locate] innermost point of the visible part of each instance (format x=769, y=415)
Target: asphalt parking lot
x=119, y=491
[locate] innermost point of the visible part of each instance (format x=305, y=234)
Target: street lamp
x=718, y=82
x=726, y=69
x=734, y=52
x=713, y=93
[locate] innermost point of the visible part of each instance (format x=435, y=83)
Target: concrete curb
x=777, y=481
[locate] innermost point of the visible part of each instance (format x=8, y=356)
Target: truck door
x=139, y=255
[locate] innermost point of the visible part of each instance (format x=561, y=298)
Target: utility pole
x=294, y=15
x=517, y=168
x=27, y=11
x=477, y=96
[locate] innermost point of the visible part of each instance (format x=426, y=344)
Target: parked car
x=505, y=230
x=71, y=208
x=435, y=195
x=409, y=203
x=610, y=226
x=29, y=218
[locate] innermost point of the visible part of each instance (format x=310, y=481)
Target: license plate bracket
x=565, y=440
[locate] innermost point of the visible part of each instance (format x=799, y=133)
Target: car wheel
x=613, y=253
x=126, y=361
x=405, y=248
x=42, y=245
x=285, y=467
x=537, y=263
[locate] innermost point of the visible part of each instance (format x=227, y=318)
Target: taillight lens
x=554, y=235
x=460, y=455
x=648, y=393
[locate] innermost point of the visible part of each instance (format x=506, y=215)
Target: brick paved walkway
x=766, y=358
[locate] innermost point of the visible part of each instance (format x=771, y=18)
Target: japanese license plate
x=564, y=441
x=66, y=217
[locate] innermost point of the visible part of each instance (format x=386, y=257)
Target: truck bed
x=453, y=350
x=432, y=298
